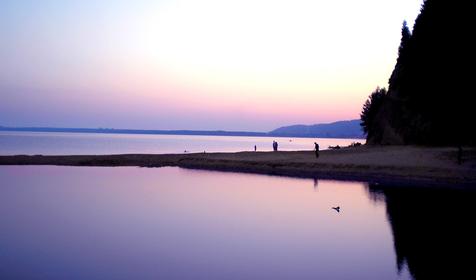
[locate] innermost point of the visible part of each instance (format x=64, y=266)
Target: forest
x=429, y=96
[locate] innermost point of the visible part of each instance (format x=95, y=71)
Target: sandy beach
x=400, y=165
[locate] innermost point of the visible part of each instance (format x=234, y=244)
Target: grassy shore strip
x=400, y=165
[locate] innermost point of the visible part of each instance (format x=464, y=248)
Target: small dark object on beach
x=336, y=147
x=355, y=144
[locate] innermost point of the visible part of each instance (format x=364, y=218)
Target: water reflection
x=171, y=223
x=433, y=230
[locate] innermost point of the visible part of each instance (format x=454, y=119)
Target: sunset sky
x=194, y=64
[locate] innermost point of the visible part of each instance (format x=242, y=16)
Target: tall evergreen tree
x=406, y=35
x=403, y=51
x=371, y=109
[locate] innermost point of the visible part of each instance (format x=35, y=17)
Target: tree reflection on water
x=433, y=229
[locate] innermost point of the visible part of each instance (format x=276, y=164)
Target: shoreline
x=394, y=165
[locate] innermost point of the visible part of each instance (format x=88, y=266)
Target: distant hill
x=340, y=129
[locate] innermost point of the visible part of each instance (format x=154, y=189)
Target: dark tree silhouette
x=429, y=101
x=371, y=108
x=406, y=35
x=403, y=50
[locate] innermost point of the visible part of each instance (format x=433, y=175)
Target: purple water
x=57, y=143
x=172, y=223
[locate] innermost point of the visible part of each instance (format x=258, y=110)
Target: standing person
x=255, y=148
x=460, y=154
x=316, y=148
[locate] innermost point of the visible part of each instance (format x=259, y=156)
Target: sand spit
x=397, y=165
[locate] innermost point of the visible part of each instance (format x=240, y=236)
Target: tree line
x=429, y=100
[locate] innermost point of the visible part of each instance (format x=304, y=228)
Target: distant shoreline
x=175, y=132
x=134, y=131
x=396, y=165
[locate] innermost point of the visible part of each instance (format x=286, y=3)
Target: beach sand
x=397, y=165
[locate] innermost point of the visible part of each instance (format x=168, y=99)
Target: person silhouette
x=275, y=146
x=460, y=154
x=316, y=148
x=255, y=148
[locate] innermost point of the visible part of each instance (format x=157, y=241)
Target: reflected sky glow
x=50, y=143
x=171, y=223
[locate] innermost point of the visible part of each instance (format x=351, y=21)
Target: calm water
x=53, y=143
x=172, y=223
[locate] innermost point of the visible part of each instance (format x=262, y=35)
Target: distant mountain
x=340, y=129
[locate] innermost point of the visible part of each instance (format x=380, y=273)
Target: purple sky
x=234, y=65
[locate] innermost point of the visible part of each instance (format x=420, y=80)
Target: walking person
x=316, y=149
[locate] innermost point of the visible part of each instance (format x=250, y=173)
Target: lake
x=58, y=143
x=173, y=223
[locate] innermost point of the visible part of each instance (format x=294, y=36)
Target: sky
x=185, y=64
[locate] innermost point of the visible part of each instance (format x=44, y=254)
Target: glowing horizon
x=235, y=65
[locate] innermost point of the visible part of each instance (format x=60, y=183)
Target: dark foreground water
x=171, y=223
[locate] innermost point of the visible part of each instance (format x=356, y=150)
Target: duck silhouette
x=336, y=208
